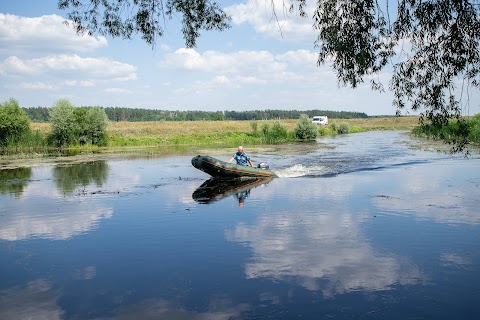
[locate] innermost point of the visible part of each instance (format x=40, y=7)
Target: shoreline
x=161, y=138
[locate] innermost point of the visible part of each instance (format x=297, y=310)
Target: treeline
x=40, y=114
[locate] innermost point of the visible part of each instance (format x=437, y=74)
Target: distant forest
x=40, y=114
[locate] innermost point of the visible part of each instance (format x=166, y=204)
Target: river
x=373, y=225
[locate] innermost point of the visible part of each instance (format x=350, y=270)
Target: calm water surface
x=363, y=226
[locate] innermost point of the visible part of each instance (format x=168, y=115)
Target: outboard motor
x=263, y=165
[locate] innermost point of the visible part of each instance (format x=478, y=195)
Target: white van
x=323, y=120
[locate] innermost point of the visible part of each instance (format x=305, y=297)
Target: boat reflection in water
x=216, y=189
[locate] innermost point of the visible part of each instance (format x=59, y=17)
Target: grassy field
x=384, y=123
x=129, y=134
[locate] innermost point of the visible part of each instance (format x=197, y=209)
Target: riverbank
x=140, y=139
x=169, y=133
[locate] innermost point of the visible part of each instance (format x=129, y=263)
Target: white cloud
x=85, y=83
x=221, y=80
x=250, y=80
x=249, y=67
x=305, y=58
x=165, y=48
x=38, y=86
x=99, y=68
x=116, y=90
x=219, y=62
x=274, y=21
x=69, y=70
x=45, y=34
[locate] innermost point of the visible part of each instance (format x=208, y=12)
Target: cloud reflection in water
x=26, y=222
x=36, y=300
x=323, y=247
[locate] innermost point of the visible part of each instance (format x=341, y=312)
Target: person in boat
x=241, y=157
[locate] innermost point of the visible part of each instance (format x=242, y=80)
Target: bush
x=254, y=125
x=458, y=133
x=14, y=122
x=279, y=131
x=77, y=126
x=305, y=129
x=334, y=127
x=474, y=135
x=343, y=128
x=91, y=125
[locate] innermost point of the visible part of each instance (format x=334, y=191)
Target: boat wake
x=331, y=170
x=299, y=170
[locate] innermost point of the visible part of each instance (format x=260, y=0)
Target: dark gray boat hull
x=221, y=169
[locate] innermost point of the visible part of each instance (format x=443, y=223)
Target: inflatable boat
x=221, y=169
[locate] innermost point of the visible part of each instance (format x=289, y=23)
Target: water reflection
x=38, y=221
x=159, y=308
x=13, y=181
x=327, y=253
x=455, y=260
x=39, y=299
x=43, y=212
x=216, y=189
x=441, y=194
x=36, y=300
x=69, y=178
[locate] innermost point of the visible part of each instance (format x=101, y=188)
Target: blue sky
x=250, y=66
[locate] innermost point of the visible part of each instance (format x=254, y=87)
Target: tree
x=72, y=126
x=95, y=128
x=14, y=122
x=124, y=18
x=63, y=123
x=362, y=38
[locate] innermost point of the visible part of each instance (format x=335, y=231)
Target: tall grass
x=467, y=131
x=28, y=142
x=474, y=135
